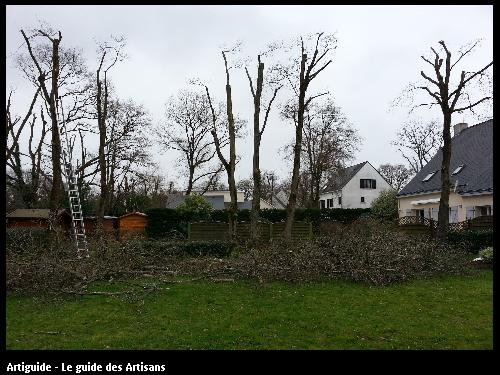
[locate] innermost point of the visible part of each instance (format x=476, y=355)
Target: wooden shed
x=109, y=225
x=132, y=225
x=37, y=218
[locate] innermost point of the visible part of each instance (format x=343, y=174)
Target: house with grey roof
x=471, y=178
x=279, y=200
x=219, y=199
x=356, y=186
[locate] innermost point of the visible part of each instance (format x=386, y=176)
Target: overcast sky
x=378, y=54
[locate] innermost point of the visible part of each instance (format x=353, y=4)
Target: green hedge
x=172, y=224
x=472, y=240
x=314, y=215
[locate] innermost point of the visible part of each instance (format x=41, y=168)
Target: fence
x=213, y=231
x=423, y=225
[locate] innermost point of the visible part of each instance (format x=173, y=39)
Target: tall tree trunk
x=101, y=120
x=55, y=192
x=315, y=197
x=292, y=200
x=443, y=215
x=257, y=183
x=233, y=206
x=190, y=181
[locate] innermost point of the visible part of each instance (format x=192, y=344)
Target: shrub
x=385, y=205
x=487, y=254
x=195, y=208
x=166, y=223
x=471, y=240
x=314, y=215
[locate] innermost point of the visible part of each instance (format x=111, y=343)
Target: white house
x=220, y=200
x=354, y=187
x=471, y=178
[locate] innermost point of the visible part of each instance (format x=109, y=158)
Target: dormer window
x=429, y=176
x=458, y=169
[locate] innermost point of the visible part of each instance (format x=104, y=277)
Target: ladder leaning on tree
x=77, y=224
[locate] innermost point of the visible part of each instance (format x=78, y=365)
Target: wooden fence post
x=271, y=232
x=189, y=231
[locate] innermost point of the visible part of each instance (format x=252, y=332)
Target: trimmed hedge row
x=472, y=240
x=172, y=223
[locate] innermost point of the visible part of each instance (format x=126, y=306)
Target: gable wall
x=352, y=193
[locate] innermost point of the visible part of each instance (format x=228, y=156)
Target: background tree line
x=120, y=175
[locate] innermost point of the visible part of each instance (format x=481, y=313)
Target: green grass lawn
x=441, y=313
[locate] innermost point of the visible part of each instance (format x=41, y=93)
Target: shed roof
x=133, y=213
x=33, y=213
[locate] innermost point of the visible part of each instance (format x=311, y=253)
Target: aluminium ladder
x=77, y=224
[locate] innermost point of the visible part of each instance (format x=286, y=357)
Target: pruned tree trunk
x=51, y=99
x=228, y=165
x=257, y=137
x=254, y=216
x=444, y=206
x=102, y=104
x=233, y=206
x=448, y=100
x=292, y=200
x=305, y=78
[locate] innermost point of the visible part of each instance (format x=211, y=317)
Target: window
x=458, y=169
x=429, y=176
x=340, y=201
x=322, y=202
x=362, y=199
x=367, y=183
x=329, y=203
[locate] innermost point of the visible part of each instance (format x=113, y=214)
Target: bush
x=166, y=223
x=487, y=254
x=314, y=215
x=195, y=208
x=471, y=240
x=385, y=205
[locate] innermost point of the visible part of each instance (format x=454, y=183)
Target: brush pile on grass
x=366, y=251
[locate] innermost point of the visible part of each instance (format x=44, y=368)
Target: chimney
x=458, y=128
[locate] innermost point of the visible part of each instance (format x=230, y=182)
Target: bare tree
x=309, y=70
x=328, y=142
x=451, y=97
x=110, y=55
x=247, y=186
x=25, y=183
x=418, y=141
x=50, y=96
x=257, y=136
x=397, y=175
x=232, y=129
x=187, y=130
x=126, y=145
x=269, y=183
